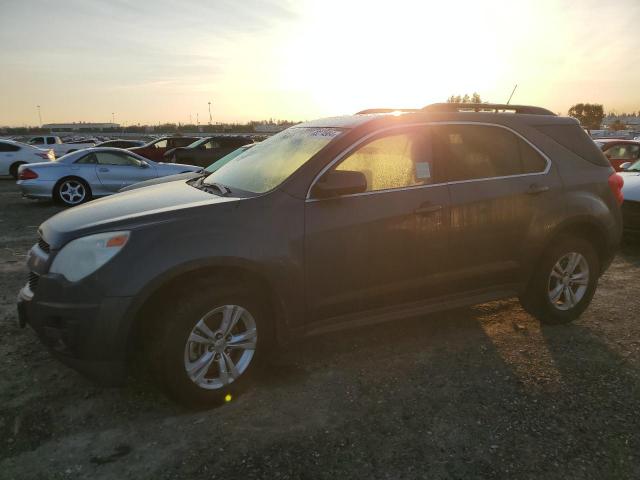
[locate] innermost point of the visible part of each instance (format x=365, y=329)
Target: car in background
x=190, y=175
x=155, y=149
x=206, y=150
x=619, y=151
x=13, y=154
x=94, y=172
x=119, y=143
x=631, y=191
x=57, y=145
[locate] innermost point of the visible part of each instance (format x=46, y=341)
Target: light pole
x=113, y=119
x=209, y=113
x=39, y=115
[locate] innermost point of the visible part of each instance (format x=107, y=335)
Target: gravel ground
x=483, y=392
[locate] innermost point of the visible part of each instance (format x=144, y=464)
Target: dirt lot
x=483, y=392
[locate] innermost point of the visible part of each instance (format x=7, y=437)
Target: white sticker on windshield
x=423, y=170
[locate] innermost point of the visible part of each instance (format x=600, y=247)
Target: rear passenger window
x=532, y=161
x=473, y=152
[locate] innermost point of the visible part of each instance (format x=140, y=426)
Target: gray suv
x=330, y=224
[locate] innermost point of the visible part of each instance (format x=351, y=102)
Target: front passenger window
x=393, y=161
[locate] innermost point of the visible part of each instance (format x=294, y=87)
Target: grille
x=44, y=246
x=33, y=280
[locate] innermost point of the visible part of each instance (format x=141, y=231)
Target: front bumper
x=86, y=335
x=40, y=189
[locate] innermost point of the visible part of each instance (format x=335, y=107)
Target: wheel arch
x=15, y=165
x=584, y=227
x=163, y=289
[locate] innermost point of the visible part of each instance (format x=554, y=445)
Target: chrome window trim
x=354, y=145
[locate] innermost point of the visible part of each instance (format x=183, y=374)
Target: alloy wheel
x=220, y=347
x=568, y=281
x=72, y=192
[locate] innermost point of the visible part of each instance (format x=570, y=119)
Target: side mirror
x=339, y=182
x=625, y=165
x=144, y=164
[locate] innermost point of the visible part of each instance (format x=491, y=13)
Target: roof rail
x=486, y=107
x=386, y=110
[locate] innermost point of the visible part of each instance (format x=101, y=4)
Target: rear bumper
x=41, y=189
x=86, y=336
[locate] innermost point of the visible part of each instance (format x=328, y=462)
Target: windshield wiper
x=224, y=190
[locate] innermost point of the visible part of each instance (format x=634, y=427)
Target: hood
x=158, y=203
x=159, y=180
x=631, y=187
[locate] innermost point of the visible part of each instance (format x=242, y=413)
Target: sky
x=152, y=61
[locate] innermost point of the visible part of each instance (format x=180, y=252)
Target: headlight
x=83, y=256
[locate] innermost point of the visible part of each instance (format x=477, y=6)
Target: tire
x=173, y=350
x=72, y=191
x=13, y=169
x=556, y=294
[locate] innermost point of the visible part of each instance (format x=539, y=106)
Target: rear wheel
x=208, y=344
x=13, y=169
x=564, y=282
x=72, y=191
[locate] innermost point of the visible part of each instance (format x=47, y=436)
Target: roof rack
x=386, y=110
x=486, y=107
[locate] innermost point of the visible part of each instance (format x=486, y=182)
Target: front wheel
x=209, y=344
x=72, y=191
x=564, y=283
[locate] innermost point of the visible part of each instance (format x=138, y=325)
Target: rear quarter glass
x=574, y=138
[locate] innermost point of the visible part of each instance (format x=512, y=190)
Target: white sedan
x=94, y=172
x=13, y=154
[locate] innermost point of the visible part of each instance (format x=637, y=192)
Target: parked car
x=190, y=175
x=57, y=145
x=206, y=150
x=631, y=191
x=619, y=151
x=121, y=143
x=155, y=149
x=95, y=172
x=13, y=154
x=329, y=224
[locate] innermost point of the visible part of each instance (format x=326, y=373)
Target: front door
x=385, y=246
x=116, y=170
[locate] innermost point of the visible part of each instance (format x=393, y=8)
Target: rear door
x=385, y=246
x=500, y=188
x=116, y=170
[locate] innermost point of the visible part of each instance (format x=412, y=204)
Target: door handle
x=427, y=209
x=535, y=189
x=103, y=169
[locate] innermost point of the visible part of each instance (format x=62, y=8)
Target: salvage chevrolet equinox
x=329, y=224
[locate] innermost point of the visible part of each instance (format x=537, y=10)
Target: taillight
x=615, y=184
x=27, y=174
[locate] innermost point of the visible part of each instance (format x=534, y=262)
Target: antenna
x=512, y=92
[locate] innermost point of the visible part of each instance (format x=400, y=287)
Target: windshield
x=269, y=163
x=226, y=159
x=634, y=167
x=197, y=142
